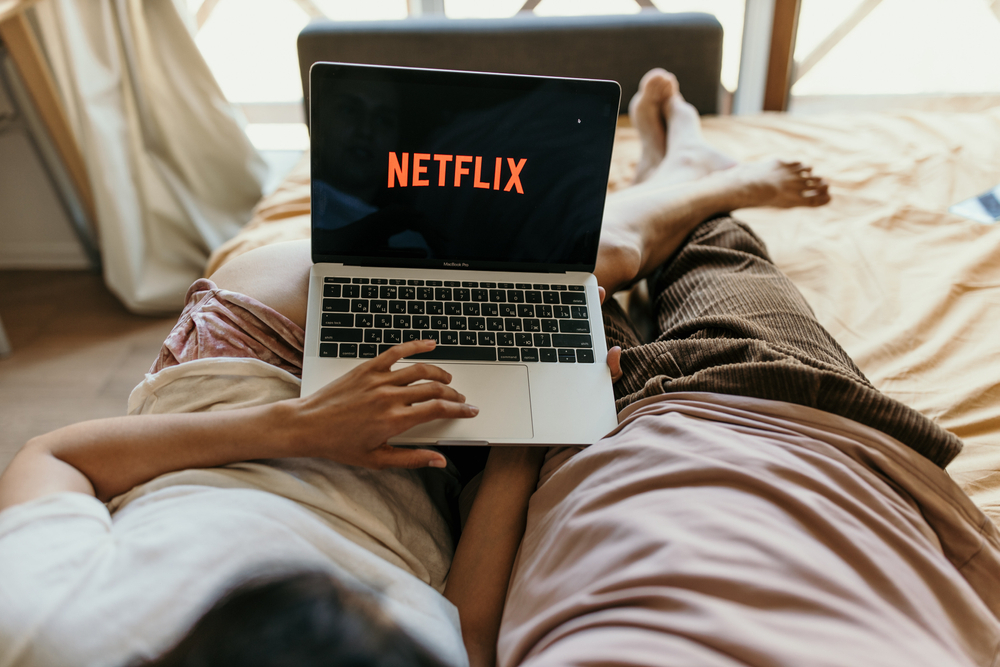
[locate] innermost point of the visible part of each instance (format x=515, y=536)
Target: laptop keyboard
x=471, y=321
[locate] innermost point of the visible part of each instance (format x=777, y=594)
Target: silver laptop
x=464, y=207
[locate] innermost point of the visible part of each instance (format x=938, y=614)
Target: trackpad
x=501, y=394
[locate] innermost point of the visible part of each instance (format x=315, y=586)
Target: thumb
x=397, y=457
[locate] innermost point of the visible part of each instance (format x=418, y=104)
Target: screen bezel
x=609, y=90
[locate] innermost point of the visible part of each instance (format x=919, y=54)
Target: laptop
x=464, y=207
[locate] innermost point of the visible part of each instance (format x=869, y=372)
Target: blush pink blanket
x=718, y=530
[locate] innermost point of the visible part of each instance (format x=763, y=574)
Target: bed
x=910, y=290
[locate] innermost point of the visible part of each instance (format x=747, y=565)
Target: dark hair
x=304, y=619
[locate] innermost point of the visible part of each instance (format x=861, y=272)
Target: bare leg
x=276, y=275
x=645, y=224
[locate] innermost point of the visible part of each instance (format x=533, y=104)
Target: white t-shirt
x=82, y=583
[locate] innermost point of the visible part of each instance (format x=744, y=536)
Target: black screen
x=426, y=168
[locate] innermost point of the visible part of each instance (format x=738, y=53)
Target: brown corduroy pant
x=729, y=322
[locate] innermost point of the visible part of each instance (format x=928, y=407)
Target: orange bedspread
x=911, y=291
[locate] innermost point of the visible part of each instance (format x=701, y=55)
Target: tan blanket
x=911, y=291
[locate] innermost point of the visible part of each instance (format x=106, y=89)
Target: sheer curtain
x=173, y=173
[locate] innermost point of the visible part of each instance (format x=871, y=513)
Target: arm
x=348, y=421
x=484, y=558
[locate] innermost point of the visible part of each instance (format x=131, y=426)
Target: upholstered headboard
x=621, y=48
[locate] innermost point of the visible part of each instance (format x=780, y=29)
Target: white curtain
x=173, y=173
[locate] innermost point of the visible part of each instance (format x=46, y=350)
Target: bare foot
x=688, y=155
x=777, y=183
x=647, y=111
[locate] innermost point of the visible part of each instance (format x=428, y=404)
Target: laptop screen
x=430, y=168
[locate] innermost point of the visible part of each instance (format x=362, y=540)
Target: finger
x=601, y=293
x=615, y=363
x=415, y=372
x=395, y=457
x=426, y=411
x=428, y=391
x=385, y=360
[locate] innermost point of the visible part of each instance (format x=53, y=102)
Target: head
x=305, y=619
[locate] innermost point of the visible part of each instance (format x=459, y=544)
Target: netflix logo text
x=450, y=170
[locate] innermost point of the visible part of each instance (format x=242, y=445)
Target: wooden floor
x=77, y=353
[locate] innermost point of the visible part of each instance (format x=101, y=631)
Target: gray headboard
x=621, y=48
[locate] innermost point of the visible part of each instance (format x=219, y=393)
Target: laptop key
x=415, y=307
x=369, y=292
x=505, y=339
x=560, y=311
x=477, y=323
x=522, y=339
x=508, y=354
x=388, y=292
x=523, y=286
x=396, y=281
x=439, y=322
x=433, y=283
x=585, y=356
x=363, y=320
x=397, y=306
x=359, y=306
x=401, y=321
x=525, y=310
x=551, y=326
x=429, y=335
x=368, y=351
x=452, y=283
x=480, y=295
x=435, y=308
x=340, y=335
x=469, y=283
x=351, y=291
x=442, y=294
x=383, y=321
x=542, y=340
x=359, y=281
x=379, y=281
x=333, y=279
x=487, y=338
x=410, y=334
x=458, y=353
x=452, y=308
x=327, y=349
x=379, y=306
x=449, y=338
x=559, y=287
x=460, y=294
x=571, y=340
x=512, y=324
x=425, y=293
x=414, y=282
x=529, y=354
x=332, y=291
x=574, y=326
x=421, y=322
x=543, y=310
x=470, y=309
x=489, y=285
x=573, y=297
x=490, y=310
x=336, y=305
x=550, y=297
x=338, y=320
x=515, y=296
x=534, y=296
x=407, y=293
x=532, y=324
x=393, y=336
x=567, y=356
x=505, y=285
x=508, y=310
x=579, y=312
x=541, y=288
x=467, y=337
x=548, y=355
x=458, y=323
x=576, y=288
x=373, y=336
x=494, y=324
x=349, y=350
x=498, y=295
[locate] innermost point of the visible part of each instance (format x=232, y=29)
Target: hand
x=615, y=353
x=350, y=419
